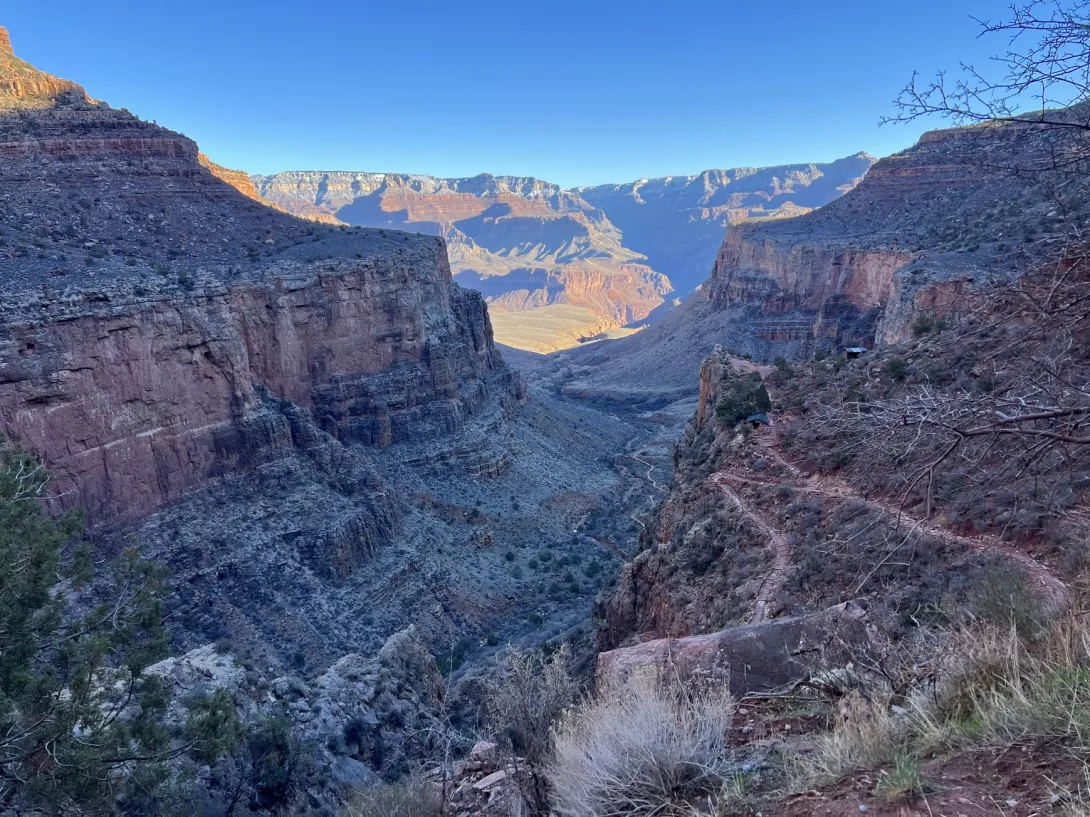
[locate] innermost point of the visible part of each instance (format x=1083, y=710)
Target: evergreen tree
x=81, y=727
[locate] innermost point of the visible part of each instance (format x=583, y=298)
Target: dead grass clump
x=866, y=734
x=993, y=687
x=523, y=703
x=644, y=747
x=1006, y=688
x=413, y=798
x=1002, y=597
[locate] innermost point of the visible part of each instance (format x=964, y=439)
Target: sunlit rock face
x=529, y=246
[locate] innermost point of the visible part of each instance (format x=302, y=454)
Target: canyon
x=923, y=236
x=559, y=267
x=295, y=417
x=678, y=222
x=287, y=392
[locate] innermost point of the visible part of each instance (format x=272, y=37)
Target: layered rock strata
x=527, y=244
x=678, y=221
x=963, y=208
x=150, y=306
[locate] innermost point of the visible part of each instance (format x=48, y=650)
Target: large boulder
x=753, y=657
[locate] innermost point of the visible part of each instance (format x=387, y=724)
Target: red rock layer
x=920, y=227
x=132, y=408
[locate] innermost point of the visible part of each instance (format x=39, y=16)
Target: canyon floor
x=516, y=558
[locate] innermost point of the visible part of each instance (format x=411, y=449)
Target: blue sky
x=573, y=92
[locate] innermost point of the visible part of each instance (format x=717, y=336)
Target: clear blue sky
x=574, y=92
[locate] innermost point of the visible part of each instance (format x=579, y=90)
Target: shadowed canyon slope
x=552, y=264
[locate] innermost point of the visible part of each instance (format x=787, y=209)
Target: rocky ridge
x=678, y=221
x=552, y=263
x=963, y=208
x=22, y=86
x=100, y=282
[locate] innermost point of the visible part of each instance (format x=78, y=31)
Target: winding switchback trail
x=781, y=547
x=827, y=485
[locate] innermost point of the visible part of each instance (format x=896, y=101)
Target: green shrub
x=277, y=763
x=896, y=368
x=744, y=395
x=68, y=667
x=925, y=324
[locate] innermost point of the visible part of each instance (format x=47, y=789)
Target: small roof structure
x=857, y=350
x=760, y=417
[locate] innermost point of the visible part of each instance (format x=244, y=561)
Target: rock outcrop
x=132, y=405
x=24, y=87
x=364, y=717
x=750, y=658
x=238, y=179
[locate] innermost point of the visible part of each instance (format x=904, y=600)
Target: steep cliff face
x=527, y=244
x=150, y=306
x=962, y=208
x=133, y=406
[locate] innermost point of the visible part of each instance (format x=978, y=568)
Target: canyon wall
x=154, y=313
x=525, y=243
x=678, y=221
x=545, y=253
x=955, y=212
x=132, y=407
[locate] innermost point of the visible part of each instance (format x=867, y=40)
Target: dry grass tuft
x=995, y=687
x=645, y=747
x=866, y=734
x=412, y=798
